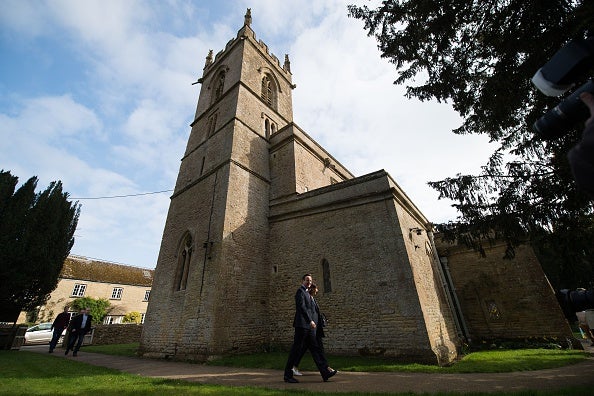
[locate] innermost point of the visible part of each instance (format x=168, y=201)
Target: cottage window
x=113, y=319
x=79, y=290
x=147, y=294
x=116, y=294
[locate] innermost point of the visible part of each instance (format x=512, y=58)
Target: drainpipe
x=446, y=270
x=448, y=285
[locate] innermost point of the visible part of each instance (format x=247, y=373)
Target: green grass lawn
x=498, y=361
x=492, y=361
x=115, y=349
x=29, y=373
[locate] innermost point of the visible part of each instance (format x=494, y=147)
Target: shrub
x=132, y=317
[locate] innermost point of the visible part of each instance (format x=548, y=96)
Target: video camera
x=567, y=67
x=572, y=301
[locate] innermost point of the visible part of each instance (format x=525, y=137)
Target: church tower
x=258, y=203
x=208, y=295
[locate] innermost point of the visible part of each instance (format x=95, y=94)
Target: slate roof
x=83, y=268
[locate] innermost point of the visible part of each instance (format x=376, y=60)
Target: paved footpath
x=581, y=374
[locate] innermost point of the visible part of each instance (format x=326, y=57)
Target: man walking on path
x=60, y=324
x=305, y=334
x=79, y=326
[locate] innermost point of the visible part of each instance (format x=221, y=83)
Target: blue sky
x=98, y=94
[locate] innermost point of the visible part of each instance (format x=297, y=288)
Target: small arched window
x=326, y=276
x=220, y=85
x=183, y=263
x=268, y=93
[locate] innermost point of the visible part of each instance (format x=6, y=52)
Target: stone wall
x=116, y=334
x=298, y=164
x=380, y=290
x=504, y=298
x=263, y=208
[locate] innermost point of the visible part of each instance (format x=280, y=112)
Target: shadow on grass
x=32, y=373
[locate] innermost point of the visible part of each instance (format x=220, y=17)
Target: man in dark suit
x=60, y=324
x=79, y=326
x=305, y=334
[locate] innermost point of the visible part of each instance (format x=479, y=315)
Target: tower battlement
x=244, y=33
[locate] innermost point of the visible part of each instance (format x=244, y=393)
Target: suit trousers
x=55, y=338
x=305, y=339
x=76, y=338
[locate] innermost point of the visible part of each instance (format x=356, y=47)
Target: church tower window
x=212, y=123
x=268, y=94
x=220, y=84
x=183, y=263
x=267, y=128
x=326, y=276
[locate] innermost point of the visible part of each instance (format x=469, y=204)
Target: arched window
x=220, y=84
x=183, y=263
x=268, y=93
x=326, y=276
x=202, y=166
x=267, y=128
x=212, y=123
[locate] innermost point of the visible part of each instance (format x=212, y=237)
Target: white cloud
x=51, y=117
x=16, y=16
x=346, y=99
x=124, y=129
x=130, y=229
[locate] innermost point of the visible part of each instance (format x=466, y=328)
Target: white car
x=41, y=334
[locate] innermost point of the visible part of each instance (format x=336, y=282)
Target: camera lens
x=558, y=121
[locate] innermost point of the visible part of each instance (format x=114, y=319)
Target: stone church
x=258, y=203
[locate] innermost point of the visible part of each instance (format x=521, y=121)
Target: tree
x=480, y=56
x=99, y=307
x=36, y=235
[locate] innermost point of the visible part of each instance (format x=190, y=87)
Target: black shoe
x=74, y=354
x=329, y=374
x=66, y=353
x=50, y=351
x=291, y=380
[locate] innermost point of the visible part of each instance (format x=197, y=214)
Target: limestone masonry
x=258, y=203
